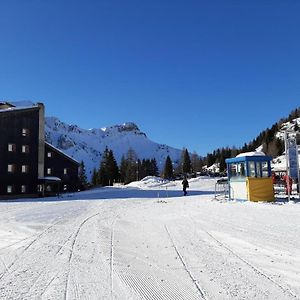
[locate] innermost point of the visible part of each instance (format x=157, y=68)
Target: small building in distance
x=249, y=177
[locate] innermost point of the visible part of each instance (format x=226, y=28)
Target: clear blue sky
x=196, y=74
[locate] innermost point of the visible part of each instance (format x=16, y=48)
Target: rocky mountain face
x=88, y=145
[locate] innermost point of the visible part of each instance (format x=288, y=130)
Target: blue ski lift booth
x=249, y=177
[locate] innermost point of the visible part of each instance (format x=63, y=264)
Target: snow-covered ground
x=147, y=241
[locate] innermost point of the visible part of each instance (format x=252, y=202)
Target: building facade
x=23, y=158
x=62, y=166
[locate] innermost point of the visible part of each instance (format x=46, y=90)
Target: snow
x=15, y=109
x=88, y=145
x=252, y=153
x=146, y=241
x=50, y=178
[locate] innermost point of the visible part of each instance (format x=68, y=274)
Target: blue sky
x=196, y=74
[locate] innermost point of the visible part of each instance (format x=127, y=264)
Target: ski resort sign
x=292, y=157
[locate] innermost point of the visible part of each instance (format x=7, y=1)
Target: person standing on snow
x=288, y=184
x=185, y=184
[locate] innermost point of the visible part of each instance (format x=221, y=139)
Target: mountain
x=88, y=145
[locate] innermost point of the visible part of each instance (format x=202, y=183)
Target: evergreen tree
x=112, y=169
x=210, y=160
x=82, y=176
x=139, y=172
x=154, y=168
x=195, y=160
x=109, y=171
x=186, y=164
x=168, y=169
x=102, y=174
x=123, y=168
x=131, y=166
x=95, y=177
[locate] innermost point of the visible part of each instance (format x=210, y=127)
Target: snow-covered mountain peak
x=89, y=144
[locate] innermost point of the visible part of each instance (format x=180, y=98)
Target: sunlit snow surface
x=147, y=241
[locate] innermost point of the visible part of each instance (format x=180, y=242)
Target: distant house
x=23, y=162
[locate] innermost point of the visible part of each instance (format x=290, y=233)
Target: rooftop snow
x=252, y=153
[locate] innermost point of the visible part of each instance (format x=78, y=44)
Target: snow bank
x=149, y=182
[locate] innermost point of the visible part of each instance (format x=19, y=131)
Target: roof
x=252, y=153
x=62, y=153
x=248, y=158
x=20, y=108
x=6, y=104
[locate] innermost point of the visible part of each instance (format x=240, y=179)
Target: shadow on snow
x=110, y=193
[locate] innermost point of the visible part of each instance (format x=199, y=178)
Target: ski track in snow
x=140, y=248
x=185, y=265
x=256, y=270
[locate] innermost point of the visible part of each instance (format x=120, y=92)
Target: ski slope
x=147, y=241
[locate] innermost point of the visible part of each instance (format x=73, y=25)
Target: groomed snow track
x=184, y=248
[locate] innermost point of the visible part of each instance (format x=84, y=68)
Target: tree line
x=134, y=169
x=131, y=169
x=271, y=145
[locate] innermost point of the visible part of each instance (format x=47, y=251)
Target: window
x=65, y=171
x=12, y=148
x=241, y=169
x=237, y=169
x=49, y=171
x=25, y=149
x=251, y=166
x=258, y=169
x=11, y=168
x=23, y=188
x=265, y=169
x=233, y=170
x=9, y=189
x=25, y=168
x=25, y=132
x=49, y=154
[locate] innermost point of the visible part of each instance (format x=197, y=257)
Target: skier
x=288, y=184
x=185, y=184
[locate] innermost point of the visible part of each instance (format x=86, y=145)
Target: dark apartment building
x=23, y=159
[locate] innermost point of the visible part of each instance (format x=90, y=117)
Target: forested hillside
x=269, y=141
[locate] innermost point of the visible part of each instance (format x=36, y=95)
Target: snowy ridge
x=89, y=144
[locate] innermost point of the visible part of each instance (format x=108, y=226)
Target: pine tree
x=109, y=171
x=123, y=168
x=186, y=165
x=168, y=169
x=210, y=160
x=95, y=177
x=82, y=176
x=112, y=169
x=154, y=168
x=131, y=166
x=196, y=162
x=102, y=173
